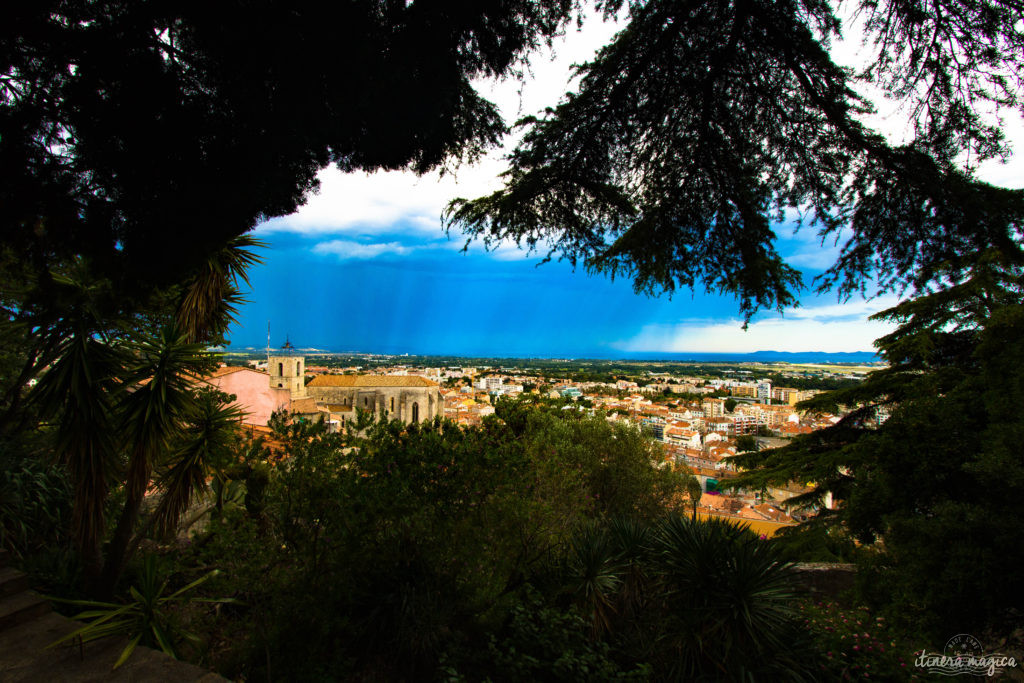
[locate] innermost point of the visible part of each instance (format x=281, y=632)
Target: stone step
x=12, y=581
x=20, y=608
x=26, y=657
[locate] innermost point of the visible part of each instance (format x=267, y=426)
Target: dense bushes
x=542, y=546
x=406, y=544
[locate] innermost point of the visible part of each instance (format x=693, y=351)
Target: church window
x=392, y=404
x=415, y=412
x=365, y=402
x=279, y=385
x=298, y=368
x=280, y=370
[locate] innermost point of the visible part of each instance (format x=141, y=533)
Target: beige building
x=288, y=372
x=409, y=398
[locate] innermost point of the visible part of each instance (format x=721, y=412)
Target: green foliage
x=927, y=462
x=746, y=443
x=400, y=551
x=696, y=600
x=145, y=620
x=88, y=88
x=110, y=438
x=803, y=383
x=815, y=542
x=545, y=643
x=854, y=644
x=701, y=125
x=204, y=445
x=500, y=552
x=729, y=600
x=210, y=297
x=35, y=505
x=694, y=491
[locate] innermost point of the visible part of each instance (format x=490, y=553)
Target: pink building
x=253, y=392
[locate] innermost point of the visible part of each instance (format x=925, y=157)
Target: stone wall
x=825, y=579
x=396, y=402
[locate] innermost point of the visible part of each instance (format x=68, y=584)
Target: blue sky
x=400, y=287
x=365, y=266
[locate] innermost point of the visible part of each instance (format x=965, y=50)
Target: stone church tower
x=288, y=372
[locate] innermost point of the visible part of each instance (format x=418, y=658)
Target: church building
x=409, y=398
x=332, y=397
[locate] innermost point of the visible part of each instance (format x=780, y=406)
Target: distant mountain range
x=678, y=357
x=763, y=357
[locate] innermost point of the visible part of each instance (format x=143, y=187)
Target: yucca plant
x=730, y=603
x=697, y=599
x=205, y=447
x=145, y=620
x=595, y=569
x=151, y=420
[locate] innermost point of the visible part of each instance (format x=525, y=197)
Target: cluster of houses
x=698, y=431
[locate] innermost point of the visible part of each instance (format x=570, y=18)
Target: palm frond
x=210, y=299
x=206, y=444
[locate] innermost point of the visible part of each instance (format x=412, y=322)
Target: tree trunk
x=121, y=546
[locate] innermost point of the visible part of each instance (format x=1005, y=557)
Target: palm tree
x=152, y=417
x=79, y=393
x=205, y=447
x=123, y=399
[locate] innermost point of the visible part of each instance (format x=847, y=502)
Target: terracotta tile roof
x=339, y=408
x=304, y=405
x=371, y=381
x=773, y=513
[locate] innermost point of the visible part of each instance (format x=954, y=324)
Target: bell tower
x=287, y=370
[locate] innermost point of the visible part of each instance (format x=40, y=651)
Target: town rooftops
x=371, y=381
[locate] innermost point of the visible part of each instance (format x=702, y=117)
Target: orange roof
x=304, y=405
x=371, y=381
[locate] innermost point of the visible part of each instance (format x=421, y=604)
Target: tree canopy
x=703, y=123
x=139, y=141
x=927, y=459
x=144, y=135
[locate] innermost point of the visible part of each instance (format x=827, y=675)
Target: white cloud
x=371, y=203
x=856, y=309
x=830, y=328
x=816, y=258
x=505, y=250
x=347, y=249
